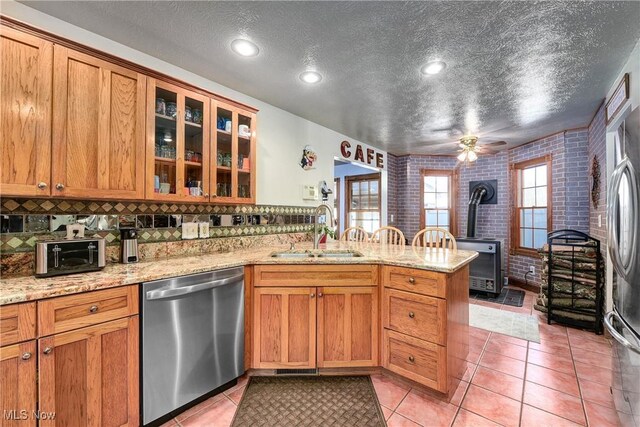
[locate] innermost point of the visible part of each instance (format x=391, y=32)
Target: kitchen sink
x=328, y=254
x=292, y=255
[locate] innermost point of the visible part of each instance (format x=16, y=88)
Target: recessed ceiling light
x=311, y=77
x=244, y=47
x=433, y=67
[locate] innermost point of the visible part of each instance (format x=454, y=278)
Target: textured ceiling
x=516, y=70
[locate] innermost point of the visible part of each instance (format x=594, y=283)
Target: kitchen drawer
x=17, y=323
x=416, y=315
x=315, y=275
x=76, y=311
x=418, y=360
x=412, y=280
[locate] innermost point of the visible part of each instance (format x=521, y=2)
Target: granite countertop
x=29, y=288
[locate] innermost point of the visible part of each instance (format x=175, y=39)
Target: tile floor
x=563, y=381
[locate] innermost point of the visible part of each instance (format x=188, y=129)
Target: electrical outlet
x=532, y=269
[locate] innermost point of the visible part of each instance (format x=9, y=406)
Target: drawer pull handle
x=59, y=186
x=412, y=314
x=93, y=309
x=312, y=295
x=412, y=359
x=47, y=350
x=412, y=280
x=42, y=185
x=26, y=356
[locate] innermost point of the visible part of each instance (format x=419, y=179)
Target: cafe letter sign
x=368, y=156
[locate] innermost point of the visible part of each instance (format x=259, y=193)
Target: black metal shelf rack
x=573, y=243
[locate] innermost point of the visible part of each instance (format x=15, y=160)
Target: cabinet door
x=18, y=384
x=177, y=143
x=25, y=114
x=98, y=128
x=89, y=377
x=347, y=327
x=284, y=328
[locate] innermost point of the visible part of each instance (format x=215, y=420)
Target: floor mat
x=309, y=401
x=514, y=297
x=504, y=322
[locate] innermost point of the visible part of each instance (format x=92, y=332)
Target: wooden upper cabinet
x=89, y=377
x=178, y=143
x=98, y=128
x=347, y=327
x=25, y=114
x=18, y=384
x=284, y=328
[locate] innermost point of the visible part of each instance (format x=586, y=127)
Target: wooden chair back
x=435, y=237
x=388, y=235
x=354, y=234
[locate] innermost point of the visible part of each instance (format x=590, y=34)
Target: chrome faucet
x=316, y=238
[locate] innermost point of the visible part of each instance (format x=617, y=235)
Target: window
x=531, y=216
x=438, y=199
x=363, y=201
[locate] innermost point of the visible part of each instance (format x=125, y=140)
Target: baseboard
x=531, y=287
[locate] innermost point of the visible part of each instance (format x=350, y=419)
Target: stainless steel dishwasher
x=192, y=338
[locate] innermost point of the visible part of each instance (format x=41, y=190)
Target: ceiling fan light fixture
x=472, y=156
x=245, y=48
x=462, y=156
x=433, y=67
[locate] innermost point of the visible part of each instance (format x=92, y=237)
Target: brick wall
x=392, y=190
x=598, y=147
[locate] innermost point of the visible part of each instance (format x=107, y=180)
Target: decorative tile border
x=101, y=207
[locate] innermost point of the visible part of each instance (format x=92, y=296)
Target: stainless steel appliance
x=485, y=272
x=128, y=245
x=192, y=338
x=623, y=214
x=57, y=257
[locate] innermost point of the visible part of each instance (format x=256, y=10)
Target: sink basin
x=292, y=255
x=339, y=255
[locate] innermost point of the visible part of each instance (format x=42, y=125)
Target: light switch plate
x=189, y=230
x=310, y=192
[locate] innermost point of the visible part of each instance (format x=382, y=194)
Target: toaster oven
x=59, y=257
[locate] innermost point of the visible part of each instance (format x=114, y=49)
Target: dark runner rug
x=514, y=297
x=309, y=401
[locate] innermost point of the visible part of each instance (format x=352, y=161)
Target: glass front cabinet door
x=178, y=144
x=233, y=154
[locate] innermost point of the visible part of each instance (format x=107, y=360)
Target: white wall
x=281, y=135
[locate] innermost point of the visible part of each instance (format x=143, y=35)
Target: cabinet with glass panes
x=233, y=155
x=178, y=143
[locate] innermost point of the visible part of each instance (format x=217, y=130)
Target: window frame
x=453, y=197
x=516, y=189
x=348, y=180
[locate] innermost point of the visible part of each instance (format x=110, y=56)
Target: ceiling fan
x=470, y=148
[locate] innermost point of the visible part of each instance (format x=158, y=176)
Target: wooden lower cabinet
x=18, y=384
x=284, y=330
x=89, y=376
x=347, y=327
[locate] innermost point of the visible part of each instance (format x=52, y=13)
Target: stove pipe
x=476, y=197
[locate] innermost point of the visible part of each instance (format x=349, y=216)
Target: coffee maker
x=128, y=245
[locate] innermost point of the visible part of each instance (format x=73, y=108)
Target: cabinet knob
x=206, y=194
x=412, y=280
x=93, y=308
x=312, y=295
x=412, y=314
x=214, y=195
x=412, y=359
x=60, y=186
x=26, y=356
x=320, y=294
x=42, y=185
x=47, y=350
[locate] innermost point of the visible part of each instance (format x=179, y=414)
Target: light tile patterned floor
x=563, y=381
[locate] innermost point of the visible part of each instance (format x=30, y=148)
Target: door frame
x=348, y=180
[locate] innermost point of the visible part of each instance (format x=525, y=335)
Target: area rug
x=504, y=322
x=514, y=297
x=309, y=401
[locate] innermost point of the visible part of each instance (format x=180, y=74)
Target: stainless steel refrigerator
x=623, y=213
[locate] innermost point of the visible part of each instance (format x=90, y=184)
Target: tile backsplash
x=24, y=221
